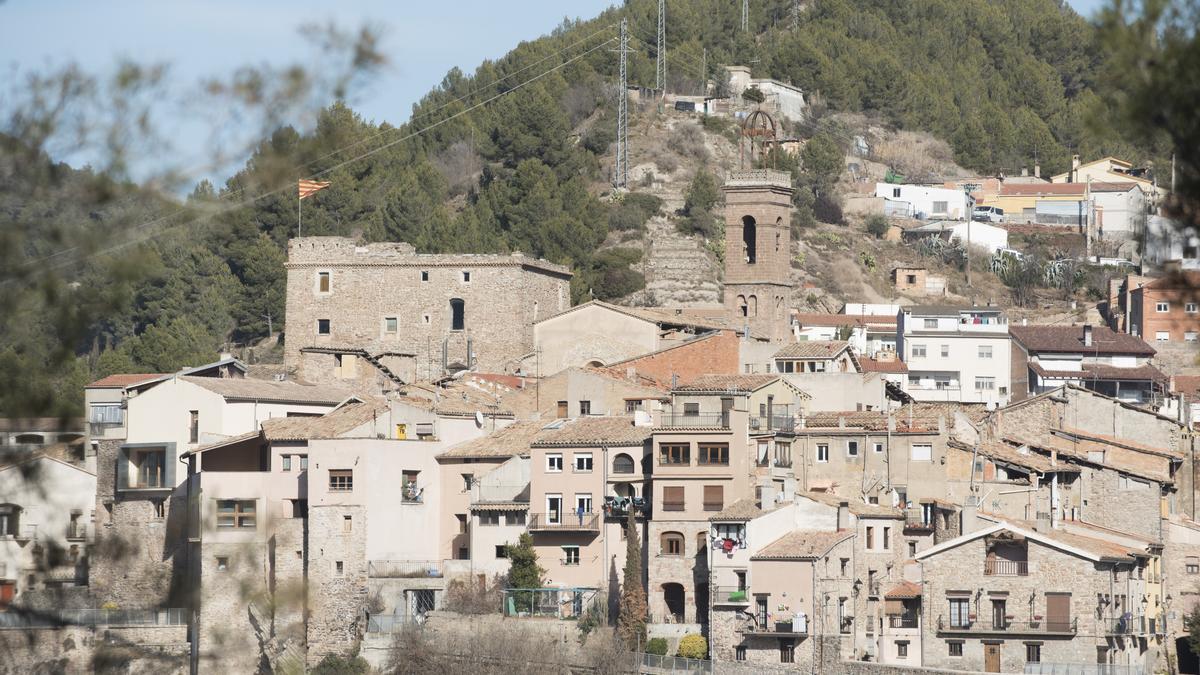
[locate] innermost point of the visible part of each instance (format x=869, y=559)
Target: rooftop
x=1063, y=189
x=123, y=380
x=905, y=590
x=730, y=383
x=817, y=319
x=949, y=310
x=330, y=425
x=594, y=432
x=812, y=349
x=1069, y=340
x=742, y=509
x=802, y=545
x=244, y=389
x=1102, y=371
x=337, y=251
x=870, y=365
x=856, y=505
x=510, y=441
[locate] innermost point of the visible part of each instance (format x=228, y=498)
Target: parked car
x=1012, y=252
x=988, y=214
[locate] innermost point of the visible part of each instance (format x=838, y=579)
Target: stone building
x=382, y=314
x=758, y=251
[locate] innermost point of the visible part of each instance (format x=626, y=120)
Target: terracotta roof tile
x=1102, y=371
x=595, y=432
x=1069, y=339
x=814, y=319
x=727, y=383
x=856, y=505
x=511, y=441
x=742, y=509
x=330, y=425
x=122, y=380
x=267, y=390
x=812, y=349
x=802, y=544
x=905, y=590
x=870, y=365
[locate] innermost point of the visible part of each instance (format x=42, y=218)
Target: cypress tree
x=631, y=623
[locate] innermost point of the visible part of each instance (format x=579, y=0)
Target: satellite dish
x=479, y=418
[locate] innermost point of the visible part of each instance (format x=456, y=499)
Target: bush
x=631, y=212
x=688, y=140
x=599, y=138
x=877, y=225
x=753, y=95
x=666, y=162
x=341, y=665
x=716, y=124
x=827, y=209
x=657, y=646
x=693, y=646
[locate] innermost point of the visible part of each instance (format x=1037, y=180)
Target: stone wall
x=139, y=558
x=688, y=570
x=369, y=284
x=716, y=354
x=77, y=649
x=336, y=600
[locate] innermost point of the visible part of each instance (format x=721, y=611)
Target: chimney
x=1087, y=335
x=970, y=511
x=1074, y=169
x=766, y=494
x=1043, y=521
x=843, y=515
x=1024, y=172
x=1037, y=170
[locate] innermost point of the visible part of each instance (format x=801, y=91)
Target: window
x=918, y=351
x=554, y=508
x=887, y=538
x=194, y=426
x=562, y=410
x=322, y=282
x=922, y=452
x=675, y=453
x=844, y=567
x=339, y=568
x=691, y=409
x=877, y=448
x=322, y=326
x=10, y=520
x=783, y=454
x=1192, y=565
x=787, y=650
x=585, y=408
x=466, y=277
x=739, y=653
x=852, y=448
x=462, y=522
x=632, y=406
x=930, y=324
x=458, y=310
x=945, y=351
x=959, y=612
x=1162, y=336
x=985, y=383
x=222, y=563
x=822, y=452
x=1033, y=652
x=347, y=524
x=672, y=543
x=583, y=504
x=554, y=463
x=341, y=480
x=1162, y=307
x=147, y=468
x=623, y=463
x=714, y=497
x=901, y=649
x=515, y=518
x=501, y=551
x=912, y=549
x=985, y=351
x=236, y=513
x=713, y=453
x=870, y=543
x=424, y=275
x=107, y=414
x=304, y=462
x=287, y=462
x=489, y=518
x=954, y=648
x=583, y=462
x=391, y=324
x=940, y=207
x=673, y=498
x=1189, y=336
x=468, y=480
x=896, y=192
x=463, y=553
x=1191, y=308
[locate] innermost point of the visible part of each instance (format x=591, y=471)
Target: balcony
x=76, y=532
x=564, y=522
x=404, y=569
x=1052, y=628
x=674, y=420
x=903, y=621
x=731, y=595
x=915, y=520
x=1133, y=625
x=784, y=423
x=619, y=507
x=777, y=629
x=1005, y=568
x=101, y=429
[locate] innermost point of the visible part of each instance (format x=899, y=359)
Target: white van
x=988, y=214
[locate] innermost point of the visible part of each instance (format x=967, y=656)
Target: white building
x=977, y=235
x=955, y=353
x=46, y=504
x=920, y=201
x=785, y=99
x=1169, y=241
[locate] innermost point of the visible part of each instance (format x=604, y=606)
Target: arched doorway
x=1188, y=662
x=750, y=239
x=673, y=598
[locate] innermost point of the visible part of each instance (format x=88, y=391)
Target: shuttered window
x=714, y=497
x=673, y=498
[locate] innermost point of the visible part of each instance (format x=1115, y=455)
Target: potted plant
x=1037, y=619
x=783, y=620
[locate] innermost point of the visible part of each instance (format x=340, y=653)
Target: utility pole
x=621, y=169
x=704, y=75
x=795, y=14
x=1087, y=218
x=745, y=15
x=660, y=71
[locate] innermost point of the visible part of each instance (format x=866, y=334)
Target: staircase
x=679, y=271
x=373, y=360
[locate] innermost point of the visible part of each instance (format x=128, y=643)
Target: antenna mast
x=660, y=72
x=745, y=15
x=621, y=169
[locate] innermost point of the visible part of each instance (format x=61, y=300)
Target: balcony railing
x=564, y=522
x=697, y=420
x=901, y=621
x=778, y=629
x=1133, y=625
x=1052, y=627
x=94, y=617
x=915, y=519
x=731, y=595
x=1005, y=568
x=784, y=423
x=76, y=531
x=101, y=428
x=404, y=569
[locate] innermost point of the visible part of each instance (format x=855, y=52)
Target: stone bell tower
x=758, y=244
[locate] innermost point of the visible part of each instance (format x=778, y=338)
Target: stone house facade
x=431, y=313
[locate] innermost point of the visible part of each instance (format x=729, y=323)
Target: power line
x=318, y=174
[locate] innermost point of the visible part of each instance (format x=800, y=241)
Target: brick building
x=1166, y=309
x=1096, y=357
x=383, y=314
x=758, y=245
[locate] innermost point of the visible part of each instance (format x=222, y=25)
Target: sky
x=199, y=38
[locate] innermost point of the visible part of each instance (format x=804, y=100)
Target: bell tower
x=758, y=244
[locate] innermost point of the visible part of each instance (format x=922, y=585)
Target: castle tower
x=758, y=242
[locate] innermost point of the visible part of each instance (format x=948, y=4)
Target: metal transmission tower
x=745, y=15
x=660, y=73
x=621, y=169
x=795, y=14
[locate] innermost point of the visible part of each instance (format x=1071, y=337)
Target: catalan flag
x=308, y=187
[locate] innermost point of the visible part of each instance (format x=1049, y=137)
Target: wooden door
x=6, y=594
x=991, y=657
x=1058, y=612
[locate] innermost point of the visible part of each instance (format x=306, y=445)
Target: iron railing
x=1051, y=627
x=404, y=569
x=1005, y=568
x=94, y=617
x=915, y=519
x=707, y=420
x=901, y=621
x=564, y=522
x=674, y=664
x=388, y=623
x=731, y=595
x=785, y=423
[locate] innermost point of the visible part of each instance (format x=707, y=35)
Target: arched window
x=10, y=520
x=752, y=305
x=623, y=463
x=672, y=543
x=779, y=307
x=458, y=311
x=595, y=363
x=741, y=305
x=750, y=239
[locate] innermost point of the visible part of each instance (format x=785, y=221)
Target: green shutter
x=171, y=462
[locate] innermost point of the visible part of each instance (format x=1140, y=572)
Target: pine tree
x=631, y=623
x=524, y=571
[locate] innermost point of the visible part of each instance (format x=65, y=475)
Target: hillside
x=1001, y=82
